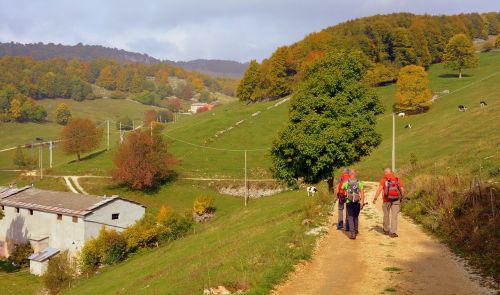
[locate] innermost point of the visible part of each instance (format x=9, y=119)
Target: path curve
x=420, y=264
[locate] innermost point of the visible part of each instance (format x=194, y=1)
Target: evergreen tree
x=460, y=54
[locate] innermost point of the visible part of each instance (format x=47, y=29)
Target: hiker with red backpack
x=393, y=190
x=355, y=201
x=341, y=197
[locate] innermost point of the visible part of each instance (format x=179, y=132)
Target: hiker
x=393, y=190
x=355, y=199
x=341, y=196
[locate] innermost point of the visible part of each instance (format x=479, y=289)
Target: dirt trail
x=420, y=265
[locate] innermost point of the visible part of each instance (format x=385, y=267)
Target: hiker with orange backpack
x=341, y=197
x=393, y=190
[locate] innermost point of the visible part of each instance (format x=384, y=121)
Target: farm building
x=56, y=221
x=195, y=106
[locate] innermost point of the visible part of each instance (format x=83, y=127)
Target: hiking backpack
x=392, y=189
x=353, y=190
x=343, y=178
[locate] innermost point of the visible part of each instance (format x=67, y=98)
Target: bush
x=108, y=247
x=203, y=205
x=60, y=273
x=117, y=95
x=126, y=123
x=89, y=257
x=19, y=257
x=487, y=46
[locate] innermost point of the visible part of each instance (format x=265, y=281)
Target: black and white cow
x=311, y=191
x=462, y=108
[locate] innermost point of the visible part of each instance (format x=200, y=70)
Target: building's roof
x=44, y=255
x=55, y=202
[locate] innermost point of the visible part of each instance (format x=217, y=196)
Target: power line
x=214, y=148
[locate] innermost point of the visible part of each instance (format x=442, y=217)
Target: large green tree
x=331, y=122
x=459, y=54
x=249, y=83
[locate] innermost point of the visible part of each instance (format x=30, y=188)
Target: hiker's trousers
x=353, y=209
x=391, y=210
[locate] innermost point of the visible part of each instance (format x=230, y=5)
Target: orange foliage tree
x=142, y=162
x=80, y=136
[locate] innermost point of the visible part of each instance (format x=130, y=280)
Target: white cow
x=311, y=191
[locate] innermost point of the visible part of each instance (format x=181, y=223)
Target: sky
x=189, y=29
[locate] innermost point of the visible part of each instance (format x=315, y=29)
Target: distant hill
x=40, y=51
x=215, y=67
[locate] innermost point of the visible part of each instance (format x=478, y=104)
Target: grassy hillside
x=460, y=139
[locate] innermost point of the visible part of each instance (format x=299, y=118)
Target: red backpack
x=343, y=179
x=392, y=189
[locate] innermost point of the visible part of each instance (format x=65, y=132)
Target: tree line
x=24, y=80
x=387, y=42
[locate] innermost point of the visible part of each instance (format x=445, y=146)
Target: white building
x=57, y=221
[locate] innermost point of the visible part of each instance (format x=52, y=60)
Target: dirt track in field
x=413, y=263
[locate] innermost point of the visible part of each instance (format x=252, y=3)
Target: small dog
x=311, y=191
x=408, y=126
x=401, y=115
x=462, y=108
x=482, y=103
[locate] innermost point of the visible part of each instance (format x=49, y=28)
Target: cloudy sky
x=188, y=29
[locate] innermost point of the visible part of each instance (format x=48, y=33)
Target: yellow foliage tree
x=15, y=109
x=412, y=88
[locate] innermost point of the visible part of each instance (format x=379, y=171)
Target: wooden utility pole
x=108, y=135
x=394, y=142
x=50, y=148
x=246, y=180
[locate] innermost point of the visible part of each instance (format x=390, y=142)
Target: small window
x=115, y=216
x=31, y=211
x=59, y=216
x=17, y=210
x=75, y=219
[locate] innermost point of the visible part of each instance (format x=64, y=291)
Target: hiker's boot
x=352, y=236
x=340, y=224
x=347, y=227
x=393, y=235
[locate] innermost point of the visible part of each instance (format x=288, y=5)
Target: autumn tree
x=412, y=88
x=80, y=136
x=460, y=54
x=142, y=162
x=277, y=74
x=106, y=78
x=63, y=114
x=331, y=122
x=15, y=109
x=249, y=83
x=137, y=82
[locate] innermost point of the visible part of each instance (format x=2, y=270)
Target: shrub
x=108, y=247
x=60, y=273
x=89, y=257
x=203, y=205
x=117, y=95
x=19, y=257
x=126, y=123
x=144, y=233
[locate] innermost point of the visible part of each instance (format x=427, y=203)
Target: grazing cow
x=311, y=191
x=401, y=115
x=482, y=103
x=408, y=126
x=462, y=108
